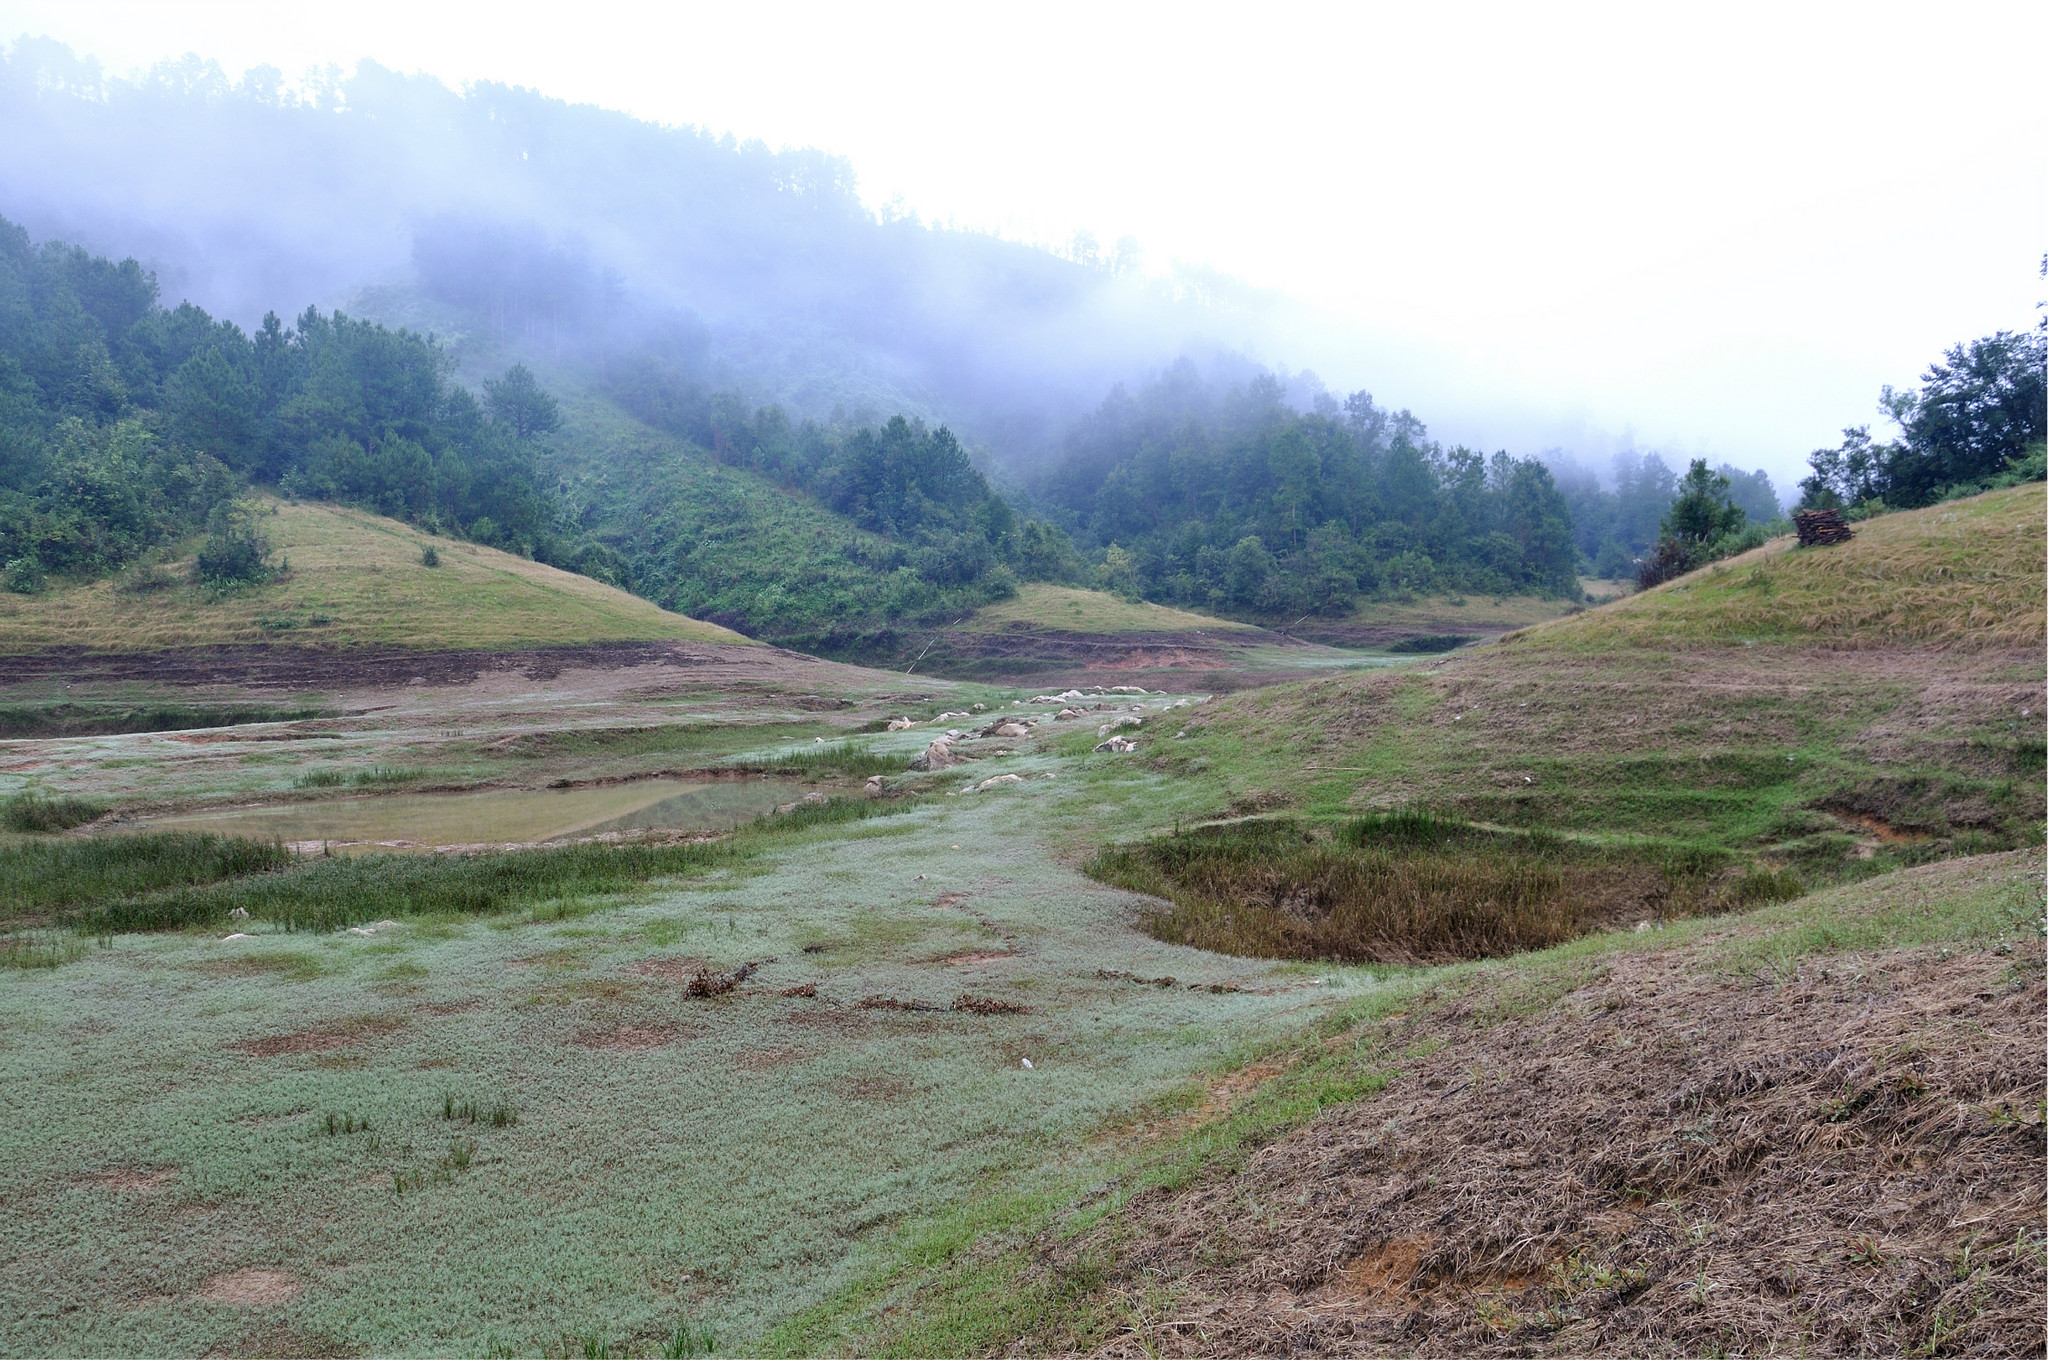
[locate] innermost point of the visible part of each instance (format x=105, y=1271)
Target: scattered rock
x=238, y=935
x=1026, y=1062
x=937, y=756
x=873, y=788
x=1118, y=745
x=900, y=724
x=1066, y=713
x=1006, y=727
x=985, y=785
x=1125, y=689
x=1113, y=724
x=239, y=914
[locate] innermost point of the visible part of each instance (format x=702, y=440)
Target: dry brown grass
x=1411, y=889
x=1842, y=1158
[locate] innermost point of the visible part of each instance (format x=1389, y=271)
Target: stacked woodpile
x=1818, y=528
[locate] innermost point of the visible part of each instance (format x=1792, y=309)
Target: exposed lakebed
x=404, y=821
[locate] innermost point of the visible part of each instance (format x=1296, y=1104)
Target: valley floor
x=896, y=1075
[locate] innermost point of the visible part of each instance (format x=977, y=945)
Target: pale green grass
x=1065, y=609
x=729, y=1161
x=355, y=578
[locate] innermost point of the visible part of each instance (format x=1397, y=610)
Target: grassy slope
x=1090, y=611
x=1232, y=1211
x=364, y=574
x=725, y=543
x=1813, y=706
x=1667, y=718
x=1966, y=574
x=1455, y=613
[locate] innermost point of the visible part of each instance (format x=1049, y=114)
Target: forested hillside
x=124, y=424
x=1226, y=498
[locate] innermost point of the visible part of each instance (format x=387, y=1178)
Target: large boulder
x=940, y=755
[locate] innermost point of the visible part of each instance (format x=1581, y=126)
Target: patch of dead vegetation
x=975, y=956
x=1848, y=1161
x=252, y=1288
x=341, y=1034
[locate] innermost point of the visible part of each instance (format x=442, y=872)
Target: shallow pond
x=402, y=821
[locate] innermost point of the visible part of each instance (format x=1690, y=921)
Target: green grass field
x=1065, y=609
x=773, y=1090
x=355, y=579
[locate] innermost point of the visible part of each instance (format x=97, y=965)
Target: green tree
x=1704, y=509
x=518, y=402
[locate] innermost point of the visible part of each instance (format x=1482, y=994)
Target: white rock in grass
x=238, y=935
x=239, y=914
x=900, y=724
x=985, y=785
x=1026, y=1062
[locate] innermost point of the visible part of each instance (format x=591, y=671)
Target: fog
x=512, y=224
x=1692, y=232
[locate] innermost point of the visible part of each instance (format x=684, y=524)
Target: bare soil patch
x=873, y=1088
x=631, y=1038
x=674, y=969
x=1848, y=1161
x=132, y=1180
x=252, y=1288
x=343, y=1034
x=976, y=956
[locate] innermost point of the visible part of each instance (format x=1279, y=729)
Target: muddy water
x=400, y=821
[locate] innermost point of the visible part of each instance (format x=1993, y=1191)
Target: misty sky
x=1717, y=229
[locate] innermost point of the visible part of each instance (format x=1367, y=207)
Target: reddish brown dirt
x=1845, y=1162
x=343, y=1035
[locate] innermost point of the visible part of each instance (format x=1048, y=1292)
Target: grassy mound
x=1067, y=610
x=354, y=579
x=1962, y=575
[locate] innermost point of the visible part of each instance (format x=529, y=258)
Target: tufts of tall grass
x=176, y=881
x=40, y=950
x=847, y=758
x=1412, y=887
x=61, y=881
x=334, y=893
x=33, y=811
